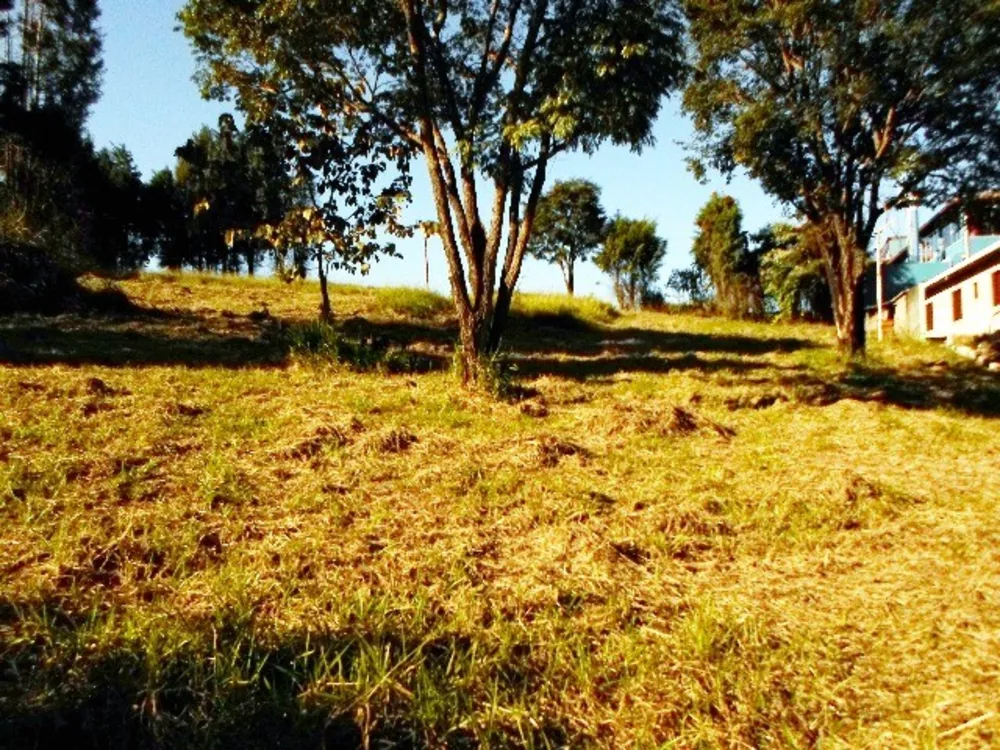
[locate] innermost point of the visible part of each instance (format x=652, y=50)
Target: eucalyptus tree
x=791, y=271
x=487, y=91
x=569, y=226
x=842, y=109
x=50, y=74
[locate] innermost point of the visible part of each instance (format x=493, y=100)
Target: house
x=943, y=281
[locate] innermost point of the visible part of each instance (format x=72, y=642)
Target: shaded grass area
x=686, y=531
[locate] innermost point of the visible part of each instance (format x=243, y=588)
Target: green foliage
x=228, y=183
x=722, y=253
x=319, y=341
x=840, y=109
x=631, y=255
x=74, y=208
x=349, y=164
x=488, y=89
x=793, y=273
x=120, y=223
x=569, y=226
x=53, y=61
x=689, y=285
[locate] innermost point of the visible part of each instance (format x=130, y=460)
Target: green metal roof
x=898, y=277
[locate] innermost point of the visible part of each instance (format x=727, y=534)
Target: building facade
x=943, y=283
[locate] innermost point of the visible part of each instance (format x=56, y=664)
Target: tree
x=49, y=78
x=631, y=255
x=569, y=226
x=723, y=254
x=689, y=284
x=494, y=89
x=118, y=233
x=792, y=273
x=841, y=109
x=53, y=57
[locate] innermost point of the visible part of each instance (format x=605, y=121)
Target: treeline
x=777, y=271
x=68, y=208
x=840, y=111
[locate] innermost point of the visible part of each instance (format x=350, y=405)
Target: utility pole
x=878, y=282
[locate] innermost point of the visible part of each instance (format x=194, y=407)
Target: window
x=996, y=288
x=975, y=290
x=930, y=316
x=956, y=305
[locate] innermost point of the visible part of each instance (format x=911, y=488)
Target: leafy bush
x=323, y=342
x=32, y=280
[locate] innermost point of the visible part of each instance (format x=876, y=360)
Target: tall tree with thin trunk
x=722, y=252
x=569, y=226
x=487, y=91
x=842, y=109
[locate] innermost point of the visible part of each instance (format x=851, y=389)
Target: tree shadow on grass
x=139, y=337
x=965, y=388
x=559, y=345
x=225, y=685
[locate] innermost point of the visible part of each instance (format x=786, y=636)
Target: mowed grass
x=678, y=532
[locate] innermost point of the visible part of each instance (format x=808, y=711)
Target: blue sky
x=151, y=105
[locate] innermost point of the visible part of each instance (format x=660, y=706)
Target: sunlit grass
x=686, y=532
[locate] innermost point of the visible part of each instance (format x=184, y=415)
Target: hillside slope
x=673, y=529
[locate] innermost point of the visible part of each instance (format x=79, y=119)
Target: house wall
x=980, y=312
x=907, y=313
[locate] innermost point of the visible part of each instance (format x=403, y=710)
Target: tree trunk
x=845, y=269
x=326, y=311
x=568, y=276
x=850, y=314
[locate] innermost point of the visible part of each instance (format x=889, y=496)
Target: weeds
x=668, y=531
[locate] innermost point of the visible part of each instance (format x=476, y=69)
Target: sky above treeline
x=151, y=105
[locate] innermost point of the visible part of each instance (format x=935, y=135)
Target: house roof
x=898, y=277
x=979, y=247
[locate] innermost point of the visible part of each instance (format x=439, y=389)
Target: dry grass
x=687, y=533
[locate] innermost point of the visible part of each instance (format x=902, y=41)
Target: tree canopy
x=723, y=254
x=632, y=255
x=569, y=226
x=493, y=89
x=792, y=272
x=841, y=109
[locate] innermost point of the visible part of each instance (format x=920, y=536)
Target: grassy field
x=672, y=532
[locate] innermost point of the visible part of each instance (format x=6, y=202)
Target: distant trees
x=235, y=199
x=689, y=286
x=722, y=253
x=631, y=255
x=793, y=273
x=49, y=79
x=569, y=226
x=843, y=109
x=230, y=182
x=489, y=89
